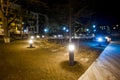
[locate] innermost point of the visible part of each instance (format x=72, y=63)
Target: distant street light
x=46, y=30
x=87, y=30
x=71, y=54
x=67, y=30
x=64, y=28
x=94, y=30
x=94, y=26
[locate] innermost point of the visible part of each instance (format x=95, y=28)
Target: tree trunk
x=6, y=30
x=7, y=39
x=21, y=29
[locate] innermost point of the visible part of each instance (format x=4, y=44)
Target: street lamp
x=94, y=30
x=87, y=30
x=67, y=30
x=46, y=30
x=71, y=53
x=64, y=28
x=94, y=26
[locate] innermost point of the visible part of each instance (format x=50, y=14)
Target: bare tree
x=8, y=10
x=69, y=13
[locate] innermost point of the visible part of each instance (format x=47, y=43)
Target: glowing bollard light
x=37, y=36
x=100, y=40
x=71, y=54
x=31, y=42
x=32, y=37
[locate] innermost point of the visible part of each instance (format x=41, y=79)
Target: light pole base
x=71, y=58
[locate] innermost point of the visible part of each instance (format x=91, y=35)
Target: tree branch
x=2, y=8
x=12, y=20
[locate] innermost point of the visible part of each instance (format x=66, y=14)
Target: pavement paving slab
x=106, y=66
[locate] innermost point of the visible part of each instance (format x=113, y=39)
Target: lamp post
x=71, y=54
x=71, y=46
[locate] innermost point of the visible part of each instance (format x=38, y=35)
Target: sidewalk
x=107, y=66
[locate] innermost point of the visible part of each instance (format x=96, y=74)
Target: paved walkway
x=107, y=66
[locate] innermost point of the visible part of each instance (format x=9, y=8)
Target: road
x=106, y=67
x=93, y=44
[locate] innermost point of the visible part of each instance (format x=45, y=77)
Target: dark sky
x=107, y=11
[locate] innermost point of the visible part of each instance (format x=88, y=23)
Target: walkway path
x=107, y=66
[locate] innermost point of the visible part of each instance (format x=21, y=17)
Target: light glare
x=38, y=36
x=71, y=47
x=32, y=37
x=100, y=39
x=30, y=41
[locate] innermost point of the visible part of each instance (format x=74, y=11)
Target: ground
x=45, y=61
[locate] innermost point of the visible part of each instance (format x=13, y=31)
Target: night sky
x=107, y=11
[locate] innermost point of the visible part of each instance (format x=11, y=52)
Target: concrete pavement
x=106, y=66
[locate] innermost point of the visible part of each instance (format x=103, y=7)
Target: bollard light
x=71, y=47
x=37, y=36
x=100, y=39
x=32, y=37
x=71, y=54
x=31, y=42
x=43, y=36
